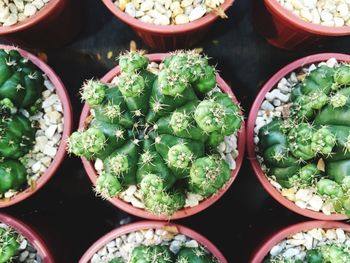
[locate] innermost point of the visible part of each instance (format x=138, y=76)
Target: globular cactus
x=21, y=81
x=13, y=175
x=21, y=84
x=116, y=260
x=9, y=244
x=208, y=174
x=317, y=129
x=16, y=135
x=151, y=130
x=194, y=255
x=151, y=254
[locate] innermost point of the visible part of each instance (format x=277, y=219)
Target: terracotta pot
x=144, y=225
x=185, y=212
x=262, y=251
x=269, y=85
x=33, y=237
x=172, y=36
x=52, y=26
x=67, y=118
x=283, y=29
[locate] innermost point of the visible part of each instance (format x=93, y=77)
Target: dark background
x=67, y=213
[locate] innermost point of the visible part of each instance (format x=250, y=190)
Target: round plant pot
x=185, y=212
x=52, y=26
x=67, y=118
x=264, y=250
x=144, y=225
x=283, y=29
x=172, y=36
x=269, y=85
x=33, y=237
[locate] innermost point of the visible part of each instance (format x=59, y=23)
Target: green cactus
x=194, y=255
x=21, y=81
x=317, y=132
x=148, y=130
x=13, y=175
x=8, y=245
x=116, y=260
x=208, y=175
x=151, y=254
x=16, y=136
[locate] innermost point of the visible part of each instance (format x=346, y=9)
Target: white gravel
x=123, y=246
x=333, y=13
x=26, y=252
x=295, y=246
x=306, y=198
x=49, y=121
x=166, y=12
x=14, y=11
x=228, y=151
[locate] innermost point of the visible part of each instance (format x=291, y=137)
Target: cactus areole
x=308, y=146
x=155, y=130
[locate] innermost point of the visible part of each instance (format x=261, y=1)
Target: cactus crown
x=338, y=100
x=180, y=156
x=119, y=164
x=132, y=60
x=93, y=92
x=130, y=84
x=179, y=121
x=87, y=143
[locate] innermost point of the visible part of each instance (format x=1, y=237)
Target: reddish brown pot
x=270, y=84
x=33, y=237
x=67, y=118
x=262, y=251
x=169, y=37
x=143, y=225
x=52, y=26
x=283, y=29
x=185, y=212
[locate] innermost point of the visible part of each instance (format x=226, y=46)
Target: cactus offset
x=151, y=130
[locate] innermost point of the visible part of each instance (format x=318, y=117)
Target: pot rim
x=143, y=225
x=270, y=84
x=168, y=29
x=263, y=250
x=67, y=127
x=287, y=15
x=27, y=232
x=49, y=8
x=185, y=212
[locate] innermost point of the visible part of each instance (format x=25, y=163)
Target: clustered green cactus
x=9, y=244
x=160, y=132
x=162, y=254
x=330, y=253
x=21, y=83
x=311, y=146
